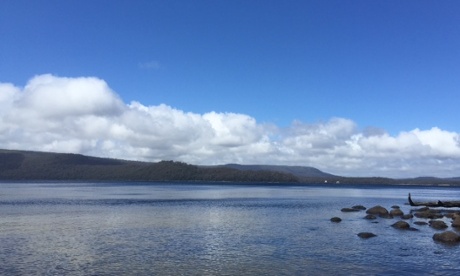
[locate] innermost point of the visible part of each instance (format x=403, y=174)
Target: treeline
x=28, y=165
x=15, y=165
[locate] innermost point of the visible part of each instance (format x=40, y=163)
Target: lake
x=202, y=229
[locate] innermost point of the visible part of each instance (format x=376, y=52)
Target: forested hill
x=30, y=165
x=298, y=171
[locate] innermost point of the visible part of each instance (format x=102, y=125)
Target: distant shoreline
x=226, y=183
x=32, y=166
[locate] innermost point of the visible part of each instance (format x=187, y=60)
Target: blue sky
x=386, y=67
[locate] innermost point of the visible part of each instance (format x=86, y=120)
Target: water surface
x=192, y=229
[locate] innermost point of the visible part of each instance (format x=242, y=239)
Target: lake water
x=192, y=229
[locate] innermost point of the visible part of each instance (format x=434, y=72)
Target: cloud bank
x=83, y=115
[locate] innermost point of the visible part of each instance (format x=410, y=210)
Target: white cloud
x=8, y=94
x=83, y=115
x=49, y=96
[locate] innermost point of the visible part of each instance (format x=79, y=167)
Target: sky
x=351, y=87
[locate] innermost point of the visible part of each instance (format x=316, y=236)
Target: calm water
x=188, y=229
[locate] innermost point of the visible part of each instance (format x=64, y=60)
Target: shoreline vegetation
x=17, y=165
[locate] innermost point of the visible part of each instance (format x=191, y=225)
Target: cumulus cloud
x=83, y=115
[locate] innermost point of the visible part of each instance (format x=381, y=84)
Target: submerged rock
x=359, y=207
x=447, y=237
x=366, y=235
x=370, y=217
x=336, y=219
x=347, y=210
x=421, y=222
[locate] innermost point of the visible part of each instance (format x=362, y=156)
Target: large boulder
x=447, y=237
x=378, y=210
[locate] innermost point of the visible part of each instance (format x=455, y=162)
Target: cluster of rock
x=433, y=216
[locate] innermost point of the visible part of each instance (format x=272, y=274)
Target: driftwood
x=439, y=203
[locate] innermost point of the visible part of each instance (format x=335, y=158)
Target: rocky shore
x=446, y=222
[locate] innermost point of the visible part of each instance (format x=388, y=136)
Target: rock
x=401, y=225
x=407, y=216
x=450, y=215
x=336, y=219
x=423, y=209
x=447, y=237
x=395, y=207
x=456, y=222
x=421, y=222
x=396, y=212
x=386, y=216
x=366, y=235
x=428, y=215
x=359, y=207
x=370, y=217
x=438, y=224
x=377, y=210
x=347, y=210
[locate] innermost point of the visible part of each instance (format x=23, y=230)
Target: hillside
x=298, y=171
x=30, y=165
